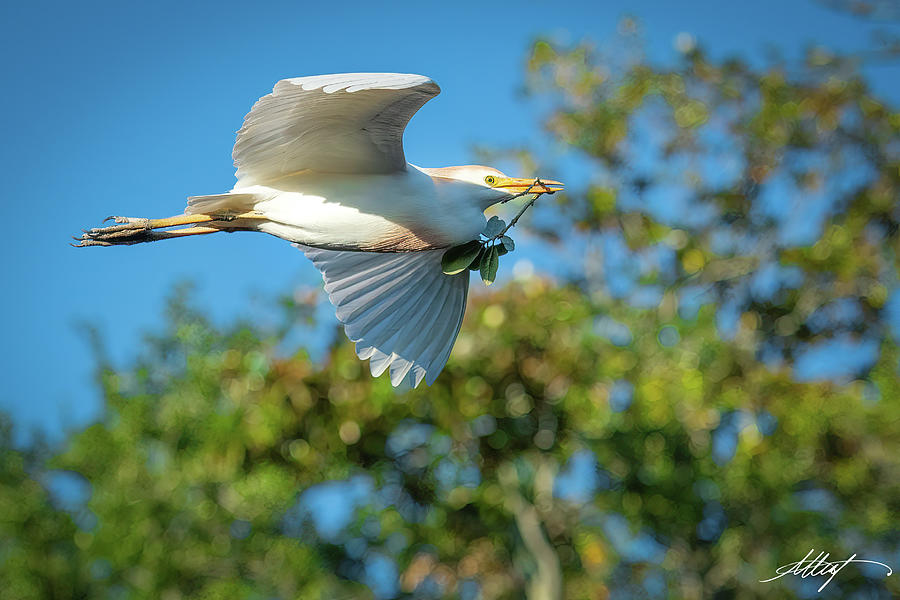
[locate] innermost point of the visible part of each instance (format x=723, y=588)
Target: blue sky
x=126, y=108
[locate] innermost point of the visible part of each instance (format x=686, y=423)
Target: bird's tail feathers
x=230, y=202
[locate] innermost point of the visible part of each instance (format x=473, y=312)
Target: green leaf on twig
x=490, y=262
x=457, y=259
x=484, y=253
x=494, y=226
x=476, y=264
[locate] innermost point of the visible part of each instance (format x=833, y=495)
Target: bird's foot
x=127, y=231
x=131, y=230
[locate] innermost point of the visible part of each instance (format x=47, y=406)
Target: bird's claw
x=84, y=243
x=126, y=231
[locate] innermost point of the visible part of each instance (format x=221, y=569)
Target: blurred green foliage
x=196, y=467
x=576, y=446
x=775, y=191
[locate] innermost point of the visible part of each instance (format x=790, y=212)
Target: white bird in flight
x=320, y=164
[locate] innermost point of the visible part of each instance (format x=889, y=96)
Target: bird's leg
x=130, y=230
x=147, y=235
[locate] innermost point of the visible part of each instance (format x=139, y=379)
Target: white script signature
x=820, y=566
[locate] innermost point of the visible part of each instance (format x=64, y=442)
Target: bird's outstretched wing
x=345, y=123
x=402, y=311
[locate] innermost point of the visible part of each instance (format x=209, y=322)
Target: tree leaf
x=458, y=258
x=494, y=226
x=476, y=264
x=508, y=243
x=490, y=261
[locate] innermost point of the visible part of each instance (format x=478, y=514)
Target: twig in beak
x=529, y=204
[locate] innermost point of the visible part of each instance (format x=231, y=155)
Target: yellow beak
x=515, y=185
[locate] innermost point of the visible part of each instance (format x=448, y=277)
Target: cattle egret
x=320, y=164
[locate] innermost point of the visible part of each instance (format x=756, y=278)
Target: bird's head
x=493, y=186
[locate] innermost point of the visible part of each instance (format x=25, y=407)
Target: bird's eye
x=490, y=180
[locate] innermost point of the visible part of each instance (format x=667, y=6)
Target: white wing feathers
x=401, y=310
x=345, y=123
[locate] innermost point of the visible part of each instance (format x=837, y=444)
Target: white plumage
x=320, y=163
x=400, y=309
x=345, y=123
